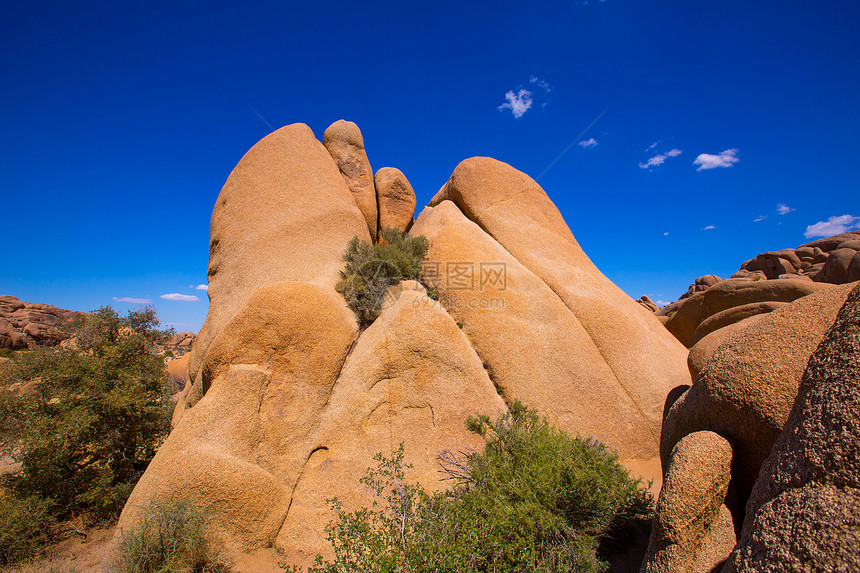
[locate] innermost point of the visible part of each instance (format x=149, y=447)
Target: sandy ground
x=74, y=554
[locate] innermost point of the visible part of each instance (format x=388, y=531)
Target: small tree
x=372, y=269
x=90, y=415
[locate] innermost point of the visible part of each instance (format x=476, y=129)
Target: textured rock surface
x=804, y=512
x=690, y=532
x=284, y=214
x=729, y=294
x=513, y=209
x=704, y=349
x=25, y=324
x=239, y=452
x=346, y=145
x=395, y=199
x=535, y=348
x=732, y=315
x=746, y=391
x=412, y=378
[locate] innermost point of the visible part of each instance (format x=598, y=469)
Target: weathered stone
x=772, y=265
x=835, y=269
x=646, y=302
x=535, y=348
x=732, y=293
x=702, y=350
x=732, y=315
x=827, y=244
x=239, y=452
x=395, y=198
x=513, y=209
x=854, y=269
x=412, y=378
x=746, y=390
x=690, y=508
x=804, y=512
x=284, y=214
x=346, y=145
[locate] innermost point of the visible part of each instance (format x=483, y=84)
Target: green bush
x=25, y=525
x=535, y=499
x=93, y=415
x=169, y=537
x=372, y=269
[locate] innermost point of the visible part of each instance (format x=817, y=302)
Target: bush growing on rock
x=371, y=269
x=86, y=420
x=535, y=499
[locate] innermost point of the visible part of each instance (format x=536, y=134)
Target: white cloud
x=783, y=209
x=666, y=234
x=177, y=296
x=591, y=142
x=726, y=158
x=760, y=218
x=201, y=287
x=132, y=300
x=833, y=226
x=652, y=146
x=518, y=103
x=660, y=159
x=709, y=228
x=541, y=83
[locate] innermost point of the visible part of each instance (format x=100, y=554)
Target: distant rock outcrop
x=25, y=324
x=289, y=400
x=833, y=260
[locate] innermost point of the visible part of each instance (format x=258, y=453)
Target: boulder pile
x=26, y=324
x=288, y=399
x=753, y=341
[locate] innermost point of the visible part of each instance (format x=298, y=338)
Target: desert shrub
x=92, y=416
x=371, y=269
x=169, y=537
x=536, y=499
x=25, y=524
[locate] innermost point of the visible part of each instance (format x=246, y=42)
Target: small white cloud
x=709, y=228
x=666, y=234
x=783, y=209
x=760, y=218
x=835, y=225
x=177, y=296
x=541, y=83
x=132, y=300
x=726, y=158
x=518, y=103
x=591, y=142
x=652, y=146
x=653, y=162
x=659, y=159
x=201, y=287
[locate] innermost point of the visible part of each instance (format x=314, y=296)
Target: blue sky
x=122, y=120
